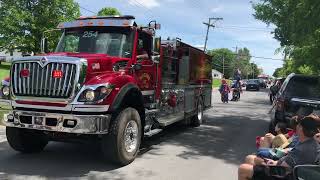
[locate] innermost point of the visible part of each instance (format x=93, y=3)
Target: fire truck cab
x=110, y=80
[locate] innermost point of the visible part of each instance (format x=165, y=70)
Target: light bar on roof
x=97, y=22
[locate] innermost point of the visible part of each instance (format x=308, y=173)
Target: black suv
x=298, y=95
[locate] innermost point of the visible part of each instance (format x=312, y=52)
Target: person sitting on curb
x=307, y=151
x=281, y=145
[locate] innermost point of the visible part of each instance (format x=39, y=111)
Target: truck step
x=167, y=120
x=152, y=132
x=151, y=111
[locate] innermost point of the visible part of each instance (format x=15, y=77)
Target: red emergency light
x=57, y=74
x=24, y=73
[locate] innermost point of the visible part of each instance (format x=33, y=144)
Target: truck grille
x=40, y=82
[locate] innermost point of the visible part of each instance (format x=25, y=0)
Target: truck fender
x=122, y=100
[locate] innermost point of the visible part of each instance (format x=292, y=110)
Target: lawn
x=217, y=82
x=4, y=72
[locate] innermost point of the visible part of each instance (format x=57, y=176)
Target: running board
x=167, y=120
x=152, y=132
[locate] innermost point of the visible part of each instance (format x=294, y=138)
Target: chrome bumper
x=68, y=123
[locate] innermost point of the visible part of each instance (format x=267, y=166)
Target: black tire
x=26, y=140
x=197, y=119
x=113, y=144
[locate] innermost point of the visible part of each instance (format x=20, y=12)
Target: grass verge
x=217, y=82
x=4, y=70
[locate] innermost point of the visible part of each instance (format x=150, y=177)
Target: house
x=216, y=74
x=4, y=56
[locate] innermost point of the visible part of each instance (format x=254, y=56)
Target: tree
x=109, y=11
x=297, y=28
x=233, y=61
x=220, y=55
x=23, y=22
x=277, y=72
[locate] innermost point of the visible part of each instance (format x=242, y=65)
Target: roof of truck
x=101, y=21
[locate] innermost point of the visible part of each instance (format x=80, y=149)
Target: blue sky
x=184, y=18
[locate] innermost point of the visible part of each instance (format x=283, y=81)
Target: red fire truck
x=110, y=80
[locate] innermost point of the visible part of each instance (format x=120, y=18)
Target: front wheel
x=198, y=118
x=122, y=144
x=26, y=140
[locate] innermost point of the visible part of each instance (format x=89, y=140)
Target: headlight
x=95, y=95
x=89, y=95
x=5, y=90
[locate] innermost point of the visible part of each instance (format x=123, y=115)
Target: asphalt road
x=212, y=151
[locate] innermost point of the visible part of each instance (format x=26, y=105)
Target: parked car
x=298, y=95
x=253, y=84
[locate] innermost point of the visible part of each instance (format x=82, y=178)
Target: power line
x=139, y=5
x=88, y=10
x=247, y=27
x=243, y=29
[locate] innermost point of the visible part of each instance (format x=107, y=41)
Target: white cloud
x=216, y=9
x=146, y=3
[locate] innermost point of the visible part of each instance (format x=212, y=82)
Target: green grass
x=4, y=70
x=217, y=82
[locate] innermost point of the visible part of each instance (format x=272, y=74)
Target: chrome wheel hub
x=131, y=136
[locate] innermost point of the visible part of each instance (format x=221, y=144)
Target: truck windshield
x=111, y=41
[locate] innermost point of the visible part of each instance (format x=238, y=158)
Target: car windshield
x=304, y=87
x=252, y=81
x=111, y=41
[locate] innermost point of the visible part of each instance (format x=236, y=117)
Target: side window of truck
x=144, y=44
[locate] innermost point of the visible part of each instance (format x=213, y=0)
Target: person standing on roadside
x=224, y=91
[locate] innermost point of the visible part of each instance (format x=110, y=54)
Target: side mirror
x=44, y=45
x=307, y=172
x=156, y=45
x=155, y=58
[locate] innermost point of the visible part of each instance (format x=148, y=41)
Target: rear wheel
x=26, y=140
x=198, y=118
x=122, y=144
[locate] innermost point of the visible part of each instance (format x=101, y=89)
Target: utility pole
x=208, y=26
x=223, y=64
x=252, y=70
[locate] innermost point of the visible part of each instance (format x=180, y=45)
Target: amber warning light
x=57, y=74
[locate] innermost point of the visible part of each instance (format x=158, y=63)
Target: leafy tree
x=297, y=28
x=233, y=61
x=109, y=11
x=23, y=22
x=277, y=72
x=220, y=55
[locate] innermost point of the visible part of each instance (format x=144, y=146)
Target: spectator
x=266, y=141
x=224, y=91
x=306, y=152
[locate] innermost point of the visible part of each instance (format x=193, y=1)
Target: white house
x=216, y=74
x=9, y=56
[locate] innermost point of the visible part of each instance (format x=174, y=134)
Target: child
x=224, y=91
